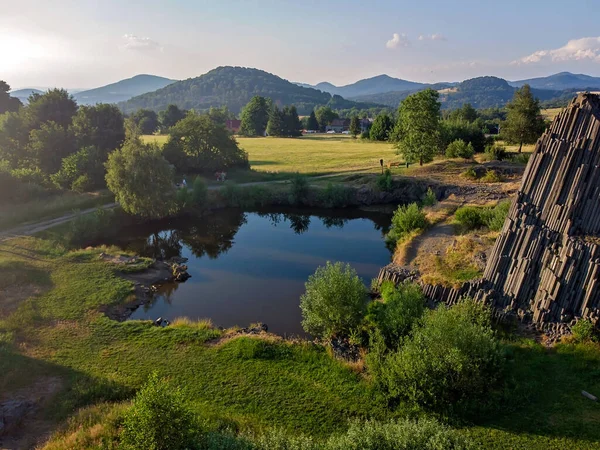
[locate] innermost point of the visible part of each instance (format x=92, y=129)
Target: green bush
x=82, y=184
x=335, y=195
x=385, y=181
x=398, y=311
x=199, y=192
x=497, y=215
x=491, y=176
x=86, y=228
x=299, y=189
x=429, y=199
x=521, y=158
x=473, y=217
x=583, y=331
x=159, y=419
x=496, y=152
x=460, y=149
x=334, y=301
x=32, y=176
x=449, y=364
x=406, y=219
x=424, y=434
x=470, y=174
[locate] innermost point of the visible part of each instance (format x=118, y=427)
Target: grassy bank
x=51, y=207
x=54, y=327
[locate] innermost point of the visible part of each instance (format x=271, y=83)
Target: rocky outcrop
x=547, y=257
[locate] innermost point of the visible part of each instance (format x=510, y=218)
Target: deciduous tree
x=325, y=115
x=170, y=116
x=418, y=126
x=142, y=180
x=7, y=103
x=101, y=126
x=381, y=128
x=354, y=126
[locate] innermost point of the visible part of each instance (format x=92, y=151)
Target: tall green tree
x=142, y=180
x=198, y=144
x=466, y=112
x=381, y=128
x=255, y=117
x=313, y=123
x=524, y=123
x=146, y=120
x=418, y=126
x=170, y=116
x=49, y=144
x=325, y=115
x=101, y=126
x=7, y=103
x=56, y=105
x=291, y=122
x=354, y=126
x=14, y=135
x=220, y=115
x=275, y=126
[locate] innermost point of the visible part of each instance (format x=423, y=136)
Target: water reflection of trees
x=209, y=235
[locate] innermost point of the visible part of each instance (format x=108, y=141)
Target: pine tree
x=312, y=124
x=524, y=123
x=354, y=126
x=255, y=117
x=291, y=122
x=275, y=126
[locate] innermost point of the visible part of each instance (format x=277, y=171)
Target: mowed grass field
x=311, y=155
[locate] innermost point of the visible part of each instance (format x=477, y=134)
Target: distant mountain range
x=370, y=87
x=23, y=94
x=234, y=87
x=122, y=90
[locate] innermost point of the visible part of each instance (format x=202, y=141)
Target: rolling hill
x=561, y=81
x=23, y=94
x=234, y=87
x=368, y=86
x=122, y=90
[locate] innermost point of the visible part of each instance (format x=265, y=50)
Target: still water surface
x=251, y=267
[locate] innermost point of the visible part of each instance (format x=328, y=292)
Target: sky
x=80, y=44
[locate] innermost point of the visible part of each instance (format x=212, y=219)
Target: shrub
x=497, y=215
x=199, y=192
x=406, y=219
x=491, y=176
x=424, y=434
x=450, y=362
x=429, y=199
x=471, y=217
x=460, y=149
x=299, y=188
x=496, y=152
x=32, y=176
x=158, y=419
x=87, y=228
x=335, y=195
x=521, y=158
x=82, y=184
x=470, y=174
x=583, y=331
x=399, y=309
x=334, y=301
x=385, y=181
x=182, y=197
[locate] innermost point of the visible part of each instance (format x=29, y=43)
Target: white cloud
x=398, y=40
x=432, y=37
x=575, y=50
x=142, y=44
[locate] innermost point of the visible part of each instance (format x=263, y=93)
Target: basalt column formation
x=547, y=257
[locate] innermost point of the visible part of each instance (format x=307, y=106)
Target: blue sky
x=82, y=43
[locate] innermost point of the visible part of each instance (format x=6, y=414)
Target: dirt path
x=434, y=240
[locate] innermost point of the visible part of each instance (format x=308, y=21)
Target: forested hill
x=480, y=92
x=234, y=87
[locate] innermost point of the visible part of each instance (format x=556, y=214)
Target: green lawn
x=311, y=155
x=244, y=383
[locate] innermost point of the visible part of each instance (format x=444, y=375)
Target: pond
x=250, y=267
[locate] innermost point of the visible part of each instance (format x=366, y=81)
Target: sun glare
x=18, y=51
